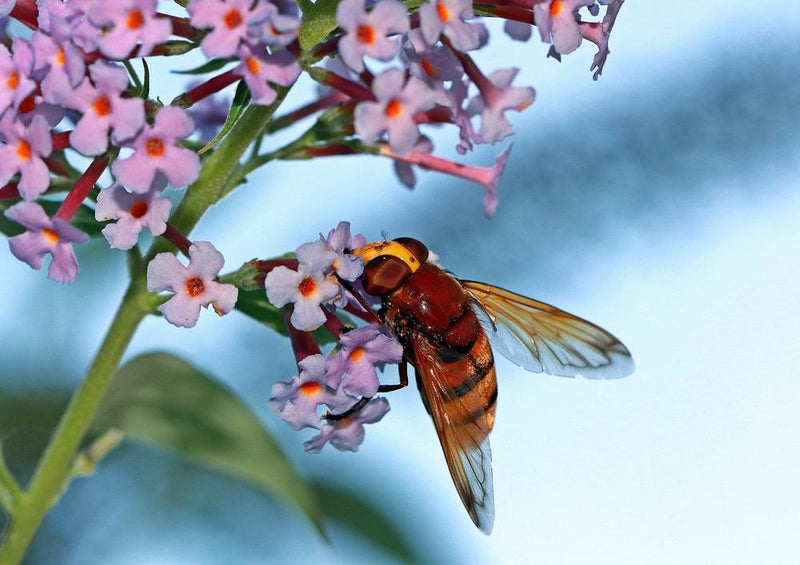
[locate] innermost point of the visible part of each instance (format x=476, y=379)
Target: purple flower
x=447, y=16
x=156, y=150
x=557, y=23
x=495, y=99
x=126, y=23
x=23, y=153
x=61, y=64
x=348, y=434
x=296, y=401
x=132, y=212
x=273, y=28
x=104, y=108
x=366, y=32
x=393, y=112
x=68, y=21
x=462, y=118
x=432, y=64
x=361, y=350
x=347, y=266
x=306, y=290
x=230, y=20
x=259, y=69
x=15, y=70
x=209, y=114
x=45, y=236
x=6, y=6
x=194, y=286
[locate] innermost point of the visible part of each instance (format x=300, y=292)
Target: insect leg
x=403, y=370
x=369, y=311
x=360, y=403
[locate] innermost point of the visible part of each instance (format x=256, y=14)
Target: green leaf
x=161, y=399
x=318, y=23
x=240, y=101
x=361, y=517
x=207, y=67
x=83, y=218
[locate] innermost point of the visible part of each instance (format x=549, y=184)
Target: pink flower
x=306, y=289
x=498, y=96
x=353, y=368
x=260, y=69
x=133, y=212
x=156, y=150
x=125, y=24
x=15, y=81
x=393, y=112
x=194, y=285
x=367, y=32
x=296, y=401
x=45, y=236
x=23, y=153
x=103, y=108
x=447, y=16
x=230, y=20
x=557, y=23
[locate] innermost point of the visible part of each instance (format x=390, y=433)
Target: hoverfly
x=445, y=325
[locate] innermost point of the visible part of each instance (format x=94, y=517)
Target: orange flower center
x=555, y=8
x=253, y=65
x=232, y=19
x=307, y=287
x=393, y=108
x=365, y=34
x=12, y=81
x=443, y=11
x=139, y=209
x=428, y=68
x=195, y=286
x=61, y=57
x=135, y=19
x=356, y=354
x=23, y=150
x=50, y=235
x=102, y=106
x=154, y=147
x=27, y=105
x=310, y=389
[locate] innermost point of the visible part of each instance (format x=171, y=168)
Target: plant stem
x=53, y=469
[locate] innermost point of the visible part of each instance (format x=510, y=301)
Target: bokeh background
x=661, y=202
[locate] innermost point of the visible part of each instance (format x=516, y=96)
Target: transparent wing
x=542, y=338
x=464, y=437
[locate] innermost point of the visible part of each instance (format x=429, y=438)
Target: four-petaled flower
x=557, y=23
x=307, y=290
x=447, y=16
x=132, y=212
x=354, y=366
x=103, y=108
x=156, y=150
x=125, y=23
x=45, y=236
x=259, y=69
x=347, y=266
x=393, y=112
x=296, y=401
x=497, y=96
x=366, y=32
x=348, y=434
x=15, y=82
x=23, y=153
x=194, y=285
x=231, y=21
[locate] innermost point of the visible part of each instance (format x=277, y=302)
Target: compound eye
x=416, y=247
x=384, y=274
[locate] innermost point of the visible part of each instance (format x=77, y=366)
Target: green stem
x=9, y=489
x=53, y=470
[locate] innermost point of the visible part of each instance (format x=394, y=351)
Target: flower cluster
x=348, y=373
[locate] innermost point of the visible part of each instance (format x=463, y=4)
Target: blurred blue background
x=661, y=202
